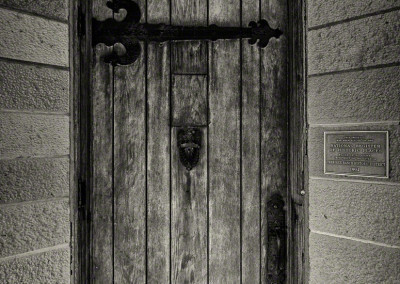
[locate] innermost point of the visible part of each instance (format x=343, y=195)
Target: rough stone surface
x=25, y=135
x=32, y=38
x=48, y=267
x=316, y=150
x=365, y=42
x=372, y=95
x=351, y=206
x=32, y=226
x=57, y=9
x=359, y=210
x=341, y=261
x=30, y=87
x=327, y=11
x=30, y=179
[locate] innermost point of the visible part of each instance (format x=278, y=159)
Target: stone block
x=338, y=261
x=371, y=95
x=31, y=179
x=316, y=150
x=328, y=11
x=30, y=87
x=26, y=135
x=361, y=43
x=358, y=210
x=47, y=267
x=32, y=38
x=32, y=226
x=57, y=9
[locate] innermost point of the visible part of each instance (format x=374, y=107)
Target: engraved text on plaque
x=357, y=153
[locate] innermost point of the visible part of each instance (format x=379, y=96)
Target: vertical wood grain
x=189, y=57
x=158, y=151
x=102, y=228
x=250, y=151
x=102, y=160
x=224, y=148
x=189, y=100
x=130, y=171
x=81, y=58
x=189, y=216
x=274, y=92
x=189, y=107
x=158, y=11
x=158, y=164
x=224, y=163
x=189, y=13
x=297, y=212
x=225, y=13
x=247, y=151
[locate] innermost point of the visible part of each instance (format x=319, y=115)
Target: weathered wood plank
x=189, y=57
x=102, y=129
x=189, y=100
x=224, y=12
x=158, y=150
x=190, y=13
x=130, y=173
x=158, y=11
x=297, y=209
x=189, y=216
x=189, y=107
x=224, y=148
x=250, y=151
x=79, y=79
x=273, y=132
x=224, y=163
x=158, y=168
x=102, y=250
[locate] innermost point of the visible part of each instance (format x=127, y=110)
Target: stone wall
x=353, y=58
x=34, y=142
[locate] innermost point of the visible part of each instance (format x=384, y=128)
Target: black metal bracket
x=189, y=144
x=277, y=239
x=129, y=32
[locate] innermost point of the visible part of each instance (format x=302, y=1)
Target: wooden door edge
x=80, y=54
x=297, y=133
x=74, y=136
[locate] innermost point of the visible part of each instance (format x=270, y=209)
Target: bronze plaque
x=357, y=153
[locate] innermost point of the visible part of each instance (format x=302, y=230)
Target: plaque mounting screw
x=303, y=192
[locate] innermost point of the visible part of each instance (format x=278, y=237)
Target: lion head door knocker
x=189, y=144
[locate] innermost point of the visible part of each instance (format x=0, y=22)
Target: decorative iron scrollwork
x=129, y=32
x=189, y=144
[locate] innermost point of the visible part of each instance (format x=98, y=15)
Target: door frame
x=80, y=168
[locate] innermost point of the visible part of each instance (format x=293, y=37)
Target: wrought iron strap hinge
x=129, y=32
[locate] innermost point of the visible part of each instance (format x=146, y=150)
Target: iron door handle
x=189, y=144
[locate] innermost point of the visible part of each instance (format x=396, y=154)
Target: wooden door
x=155, y=221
